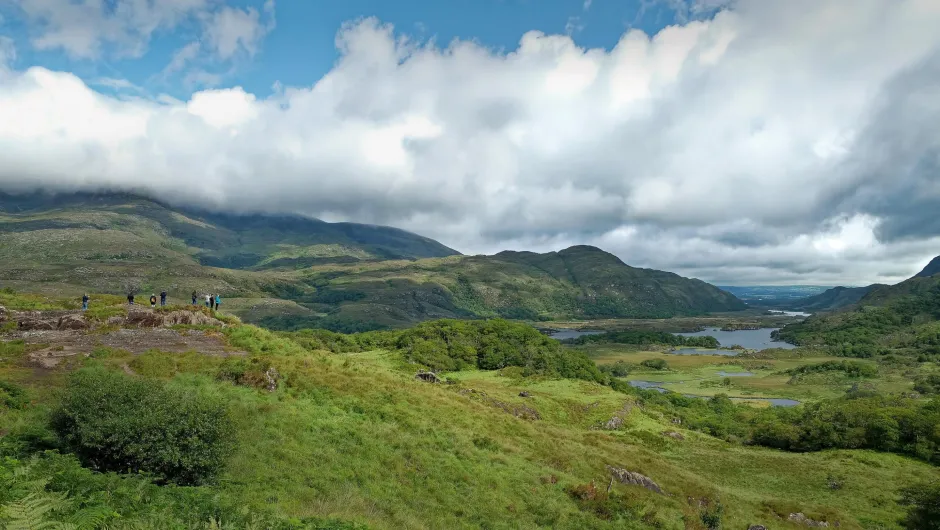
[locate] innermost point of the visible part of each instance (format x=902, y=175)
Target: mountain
x=580, y=282
x=292, y=271
x=832, y=299
x=219, y=239
x=931, y=269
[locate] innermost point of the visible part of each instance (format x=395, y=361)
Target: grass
x=699, y=374
x=356, y=437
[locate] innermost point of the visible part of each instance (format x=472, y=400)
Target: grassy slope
x=119, y=243
x=832, y=299
x=356, y=436
x=579, y=282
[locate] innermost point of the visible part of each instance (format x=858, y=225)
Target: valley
x=363, y=377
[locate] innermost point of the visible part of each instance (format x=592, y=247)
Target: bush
x=923, y=502
x=655, y=364
x=113, y=422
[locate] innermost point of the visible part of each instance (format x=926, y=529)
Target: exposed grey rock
x=3, y=314
x=629, y=477
x=799, y=518
x=757, y=527
x=427, y=377
x=72, y=322
x=614, y=423
x=525, y=393
x=271, y=378
x=674, y=435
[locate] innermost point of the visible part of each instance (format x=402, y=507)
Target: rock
x=3, y=314
x=271, y=377
x=677, y=421
x=799, y=518
x=427, y=377
x=72, y=322
x=629, y=477
x=757, y=527
x=614, y=423
x=674, y=435
x=36, y=323
x=525, y=393
x=189, y=318
x=115, y=321
x=143, y=318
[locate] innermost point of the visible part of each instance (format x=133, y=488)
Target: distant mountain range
x=294, y=271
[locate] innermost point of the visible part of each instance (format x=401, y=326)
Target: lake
x=563, y=334
x=752, y=339
x=791, y=313
x=735, y=374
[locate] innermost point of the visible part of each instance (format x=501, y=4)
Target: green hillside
x=290, y=272
x=230, y=240
x=832, y=299
x=315, y=430
x=932, y=268
x=577, y=283
x=891, y=319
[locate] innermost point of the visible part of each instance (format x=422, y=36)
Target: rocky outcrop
x=613, y=424
x=757, y=527
x=629, y=477
x=427, y=377
x=799, y=518
x=67, y=322
x=524, y=412
x=189, y=318
x=3, y=314
x=674, y=435
x=271, y=378
x=525, y=393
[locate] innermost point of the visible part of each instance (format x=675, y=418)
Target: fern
x=34, y=512
x=92, y=517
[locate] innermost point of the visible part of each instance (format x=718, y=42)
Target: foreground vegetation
x=326, y=430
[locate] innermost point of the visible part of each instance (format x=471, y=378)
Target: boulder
x=629, y=477
x=674, y=435
x=799, y=518
x=29, y=322
x=614, y=423
x=427, y=377
x=271, y=377
x=757, y=527
x=525, y=393
x=72, y=322
x=143, y=318
x=3, y=314
x=189, y=318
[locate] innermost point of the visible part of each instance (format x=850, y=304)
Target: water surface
x=704, y=351
x=752, y=339
x=563, y=334
x=735, y=374
x=647, y=385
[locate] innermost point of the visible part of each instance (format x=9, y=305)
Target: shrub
x=113, y=422
x=655, y=364
x=923, y=502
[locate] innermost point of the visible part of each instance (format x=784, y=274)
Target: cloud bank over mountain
x=787, y=142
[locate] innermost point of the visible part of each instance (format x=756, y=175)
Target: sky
x=743, y=142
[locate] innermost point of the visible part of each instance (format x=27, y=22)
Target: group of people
x=213, y=301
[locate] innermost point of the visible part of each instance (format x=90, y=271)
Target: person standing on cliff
x=85, y=302
x=194, y=297
x=162, y=298
x=130, y=299
x=153, y=300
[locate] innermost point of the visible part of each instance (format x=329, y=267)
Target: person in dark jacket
x=162, y=298
x=153, y=300
x=85, y=302
x=194, y=297
x=130, y=299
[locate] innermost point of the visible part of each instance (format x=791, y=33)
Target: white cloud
x=728, y=148
x=81, y=27
x=231, y=30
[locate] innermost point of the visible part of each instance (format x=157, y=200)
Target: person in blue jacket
x=218, y=301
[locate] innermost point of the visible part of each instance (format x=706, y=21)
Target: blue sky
x=301, y=48
x=738, y=141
